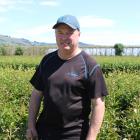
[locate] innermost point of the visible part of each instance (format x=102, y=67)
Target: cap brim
x=57, y=24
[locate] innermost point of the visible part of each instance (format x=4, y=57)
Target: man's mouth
x=66, y=43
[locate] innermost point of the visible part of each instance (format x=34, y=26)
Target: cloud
x=7, y=5
x=100, y=35
x=49, y=3
x=110, y=38
x=25, y=1
x=6, y=2
x=92, y=22
x=3, y=9
x=2, y=19
x=38, y=33
x=35, y=30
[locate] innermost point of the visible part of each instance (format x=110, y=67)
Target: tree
x=19, y=51
x=2, y=51
x=118, y=49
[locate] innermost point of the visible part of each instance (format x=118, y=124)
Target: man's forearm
x=34, y=106
x=96, y=119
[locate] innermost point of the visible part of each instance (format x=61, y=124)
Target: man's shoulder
x=90, y=60
x=49, y=55
x=54, y=53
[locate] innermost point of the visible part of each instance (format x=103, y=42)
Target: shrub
x=2, y=51
x=118, y=49
x=19, y=51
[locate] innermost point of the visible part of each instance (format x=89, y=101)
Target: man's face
x=67, y=38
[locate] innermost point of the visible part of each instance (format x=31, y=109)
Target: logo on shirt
x=73, y=75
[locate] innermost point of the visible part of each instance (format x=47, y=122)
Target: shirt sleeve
x=97, y=85
x=37, y=78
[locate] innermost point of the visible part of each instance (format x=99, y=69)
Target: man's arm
x=34, y=107
x=98, y=109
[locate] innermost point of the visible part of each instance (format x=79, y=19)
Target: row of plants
x=15, y=91
x=108, y=64
x=19, y=62
x=122, y=116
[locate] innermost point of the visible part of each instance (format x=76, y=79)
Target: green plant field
x=122, y=116
x=108, y=63
x=15, y=91
x=19, y=62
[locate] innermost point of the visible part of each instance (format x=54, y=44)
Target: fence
x=94, y=50
x=107, y=51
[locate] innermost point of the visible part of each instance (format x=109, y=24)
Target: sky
x=102, y=22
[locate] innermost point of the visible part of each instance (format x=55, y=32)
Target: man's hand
x=31, y=134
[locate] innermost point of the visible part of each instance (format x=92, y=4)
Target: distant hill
x=12, y=41
x=8, y=40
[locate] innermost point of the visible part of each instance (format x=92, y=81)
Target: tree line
x=41, y=50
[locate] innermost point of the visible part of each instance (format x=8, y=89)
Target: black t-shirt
x=67, y=86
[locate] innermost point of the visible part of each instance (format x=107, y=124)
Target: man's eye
x=65, y=34
x=70, y=33
x=59, y=33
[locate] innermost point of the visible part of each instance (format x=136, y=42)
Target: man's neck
x=68, y=55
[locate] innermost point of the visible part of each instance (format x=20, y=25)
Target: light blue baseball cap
x=69, y=20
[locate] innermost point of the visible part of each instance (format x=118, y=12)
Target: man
x=67, y=80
